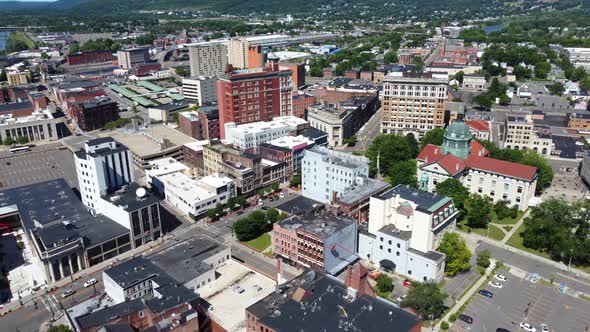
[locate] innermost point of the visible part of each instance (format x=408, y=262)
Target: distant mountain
x=27, y=5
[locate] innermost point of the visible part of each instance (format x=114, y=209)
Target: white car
x=260, y=201
x=544, y=328
x=527, y=327
x=90, y=282
x=401, y=298
x=282, y=195
x=500, y=277
x=495, y=284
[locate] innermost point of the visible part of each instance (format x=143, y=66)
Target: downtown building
x=253, y=95
x=412, y=105
x=207, y=60
x=133, y=57
x=405, y=228
x=251, y=135
x=201, y=90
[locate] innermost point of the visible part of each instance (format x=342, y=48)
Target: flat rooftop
x=426, y=201
x=321, y=226
x=54, y=212
x=314, y=302
x=193, y=190
x=197, y=145
x=228, y=305
x=132, y=197
x=150, y=141
x=300, y=205
x=278, y=122
x=164, y=166
x=41, y=115
x=363, y=190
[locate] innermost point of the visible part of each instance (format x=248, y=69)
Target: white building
x=524, y=91
x=202, y=90
x=406, y=226
x=103, y=166
x=160, y=167
x=39, y=126
x=209, y=60
x=327, y=174
x=195, y=196
x=465, y=160
x=250, y=135
x=578, y=56
x=474, y=82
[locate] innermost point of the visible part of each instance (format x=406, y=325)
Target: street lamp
x=570, y=263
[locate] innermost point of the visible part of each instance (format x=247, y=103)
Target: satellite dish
x=140, y=192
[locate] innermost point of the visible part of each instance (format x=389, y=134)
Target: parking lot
x=42, y=164
x=508, y=308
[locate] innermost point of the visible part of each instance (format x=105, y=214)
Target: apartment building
x=474, y=82
x=200, y=90
x=253, y=95
x=94, y=114
x=413, y=105
x=18, y=77
x=207, y=60
x=327, y=174
x=521, y=134
x=579, y=121
x=237, y=53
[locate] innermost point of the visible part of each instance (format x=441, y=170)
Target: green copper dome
x=457, y=140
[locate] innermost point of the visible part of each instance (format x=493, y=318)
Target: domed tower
x=457, y=140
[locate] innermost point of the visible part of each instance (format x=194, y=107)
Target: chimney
x=357, y=279
x=457, y=167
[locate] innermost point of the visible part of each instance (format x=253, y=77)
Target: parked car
x=265, y=208
x=260, y=201
x=544, y=328
x=486, y=293
x=407, y=283
x=495, y=284
x=502, y=330
x=466, y=319
x=239, y=213
x=271, y=198
x=90, y=282
x=282, y=195
x=67, y=293
x=374, y=274
x=527, y=327
x=401, y=298
x=500, y=277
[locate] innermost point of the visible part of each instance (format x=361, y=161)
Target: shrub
x=444, y=325
x=384, y=283
x=453, y=317
x=483, y=258
x=481, y=270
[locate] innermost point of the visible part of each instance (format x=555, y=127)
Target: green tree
x=426, y=298
x=390, y=57
x=351, y=141
x=22, y=140
x=479, y=211
x=483, y=100
x=458, y=256
x=483, y=259
x=231, y=203
x=241, y=201
x=418, y=62
x=434, y=136
x=275, y=186
x=504, y=100
x=459, y=76
x=3, y=77
x=542, y=69
x=8, y=141
x=44, y=55
x=557, y=89
x=180, y=71
x=295, y=180
x=59, y=328
x=384, y=283
x=544, y=170
x=454, y=188
x=251, y=226
x=261, y=192
x=403, y=172
x=215, y=213
x=413, y=144
x=273, y=215
x=315, y=71
x=390, y=148
x=503, y=211
x=584, y=83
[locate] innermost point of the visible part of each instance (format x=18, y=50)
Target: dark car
x=466, y=319
x=265, y=208
x=486, y=293
x=239, y=213
x=502, y=330
x=271, y=199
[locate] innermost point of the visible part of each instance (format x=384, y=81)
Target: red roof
x=477, y=160
x=478, y=125
x=502, y=167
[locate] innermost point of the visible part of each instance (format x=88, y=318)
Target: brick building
x=209, y=120
x=301, y=101
x=350, y=303
x=189, y=124
x=298, y=70
x=83, y=58
x=256, y=57
x=93, y=115
x=579, y=121
x=192, y=156
x=240, y=100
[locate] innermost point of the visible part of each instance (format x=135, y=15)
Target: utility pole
x=570, y=264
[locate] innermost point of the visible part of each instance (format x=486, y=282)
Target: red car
x=407, y=283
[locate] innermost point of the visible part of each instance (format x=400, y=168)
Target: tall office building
x=252, y=95
x=132, y=57
x=103, y=166
x=207, y=60
x=237, y=53
x=413, y=104
x=201, y=90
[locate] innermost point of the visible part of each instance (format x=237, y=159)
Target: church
x=464, y=159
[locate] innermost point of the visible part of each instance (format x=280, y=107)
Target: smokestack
x=279, y=272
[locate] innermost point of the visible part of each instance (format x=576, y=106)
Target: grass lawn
x=516, y=242
x=506, y=221
x=508, y=228
x=260, y=243
x=494, y=233
x=19, y=35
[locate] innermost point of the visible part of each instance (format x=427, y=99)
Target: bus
x=18, y=149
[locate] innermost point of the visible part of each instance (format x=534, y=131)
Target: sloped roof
x=502, y=167
x=478, y=125
x=451, y=164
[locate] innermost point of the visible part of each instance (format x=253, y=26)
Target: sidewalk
x=515, y=227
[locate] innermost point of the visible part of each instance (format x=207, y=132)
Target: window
x=519, y=190
x=389, y=242
x=380, y=247
x=141, y=314
x=424, y=278
x=410, y=272
x=397, y=253
x=506, y=186
x=398, y=245
x=381, y=239
x=389, y=250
